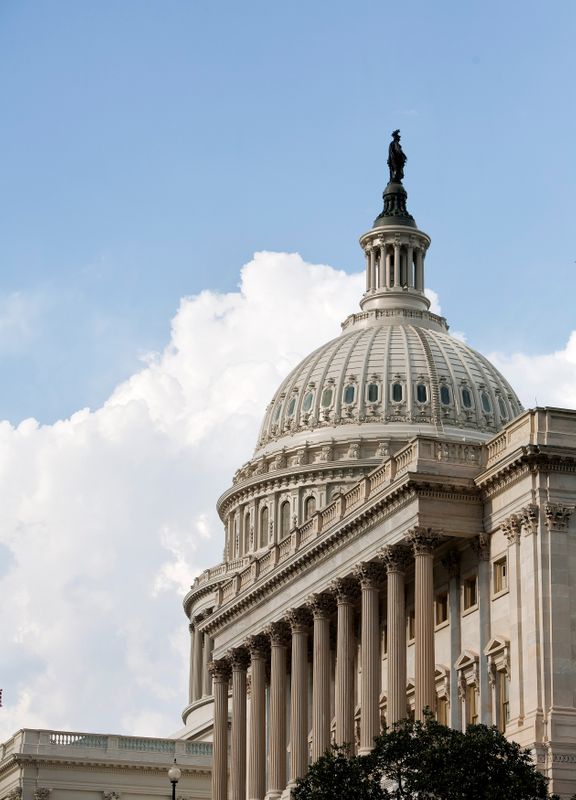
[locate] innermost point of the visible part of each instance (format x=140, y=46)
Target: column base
x=364, y=751
x=273, y=794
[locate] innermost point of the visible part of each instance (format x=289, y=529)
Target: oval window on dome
x=349, y=394
x=486, y=404
x=307, y=402
x=372, y=392
x=421, y=393
x=327, y=395
x=291, y=406
x=444, y=395
x=502, y=407
x=466, y=398
x=277, y=412
x=397, y=392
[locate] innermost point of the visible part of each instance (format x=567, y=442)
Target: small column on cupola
x=394, y=247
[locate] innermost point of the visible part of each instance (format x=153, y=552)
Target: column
x=409, y=266
x=207, y=648
x=279, y=633
x=420, y=269
x=383, y=267
x=481, y=546
x=370, y=577
x=299, y=619
x=368, y=276
x=372, y=267
x=395, y=560
x=191, y=672
x=397, y=266
x=451, y=562
x=220, y=676
x=322, y=606
x=512, y=530
x=388, y=268
x=258, y=646
x=346, y=591
x=240, y=659
x=198, y=657
x=423, y=541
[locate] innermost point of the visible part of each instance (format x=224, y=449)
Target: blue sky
x=149, y=148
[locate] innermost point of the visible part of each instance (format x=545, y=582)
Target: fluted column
x=382, y=268
x=420, y=269
x=372, y=268
x=258, y=646
x=322, y=606
x=346, y=591
x=207, y=648
x=299, y=620
x=396, y=558
x=191, y=668
x=397, y=266
x=423, y=541
x=451, y=562
x=198, y=659
x=370, y=577
x=409, y=266
x=220, y=670
x=240, y=659
x=279, y=634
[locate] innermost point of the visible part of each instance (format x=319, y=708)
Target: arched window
x=246, y=532
x=277, y=412
x=349, y=394
x=466, y=398
x=372, y=393
x=444, y=395
x=309, y=507
x=307, y=403
x=235, y=539
x=264, y=525
x=397, y=392
x=327, y=398
x=421, y=393
x=291, y=406
x=284, y=519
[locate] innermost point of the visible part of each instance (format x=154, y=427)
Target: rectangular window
x=503, y=702
x=411, y=625
x=470, y=593
x=442, y=710
x=441, y=607
x=471, y=705
x=500, y=575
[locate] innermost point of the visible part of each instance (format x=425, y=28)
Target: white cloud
x=107, y=516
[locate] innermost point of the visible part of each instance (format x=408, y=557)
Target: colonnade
x=201, y=646
x=394, y=265
x=270, y=648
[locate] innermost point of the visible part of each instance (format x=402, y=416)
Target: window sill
x=466, y=611
x=501, y=593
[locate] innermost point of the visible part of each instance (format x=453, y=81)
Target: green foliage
x=428, y=761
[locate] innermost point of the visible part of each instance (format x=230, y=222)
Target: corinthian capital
x=345, y=589
x=530, y=515
x=239, y=658
x=258, y=645
x=423, y=540
x=512, y=527
x=481, y=546
x=369, y=574
x=395, y=557
x=322, y=605
x=278, y=633
x=558, y=516
x=220, y=670
x=299, y=619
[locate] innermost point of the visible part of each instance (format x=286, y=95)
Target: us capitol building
x=403, y=537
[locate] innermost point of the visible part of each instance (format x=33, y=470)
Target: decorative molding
x=15, y=794
x=558, y=516
x=42, y=793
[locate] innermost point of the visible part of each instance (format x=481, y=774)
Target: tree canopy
x=427, y=761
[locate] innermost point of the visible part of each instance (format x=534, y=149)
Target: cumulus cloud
x=108, y=515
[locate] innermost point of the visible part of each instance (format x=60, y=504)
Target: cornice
x=522, y=461
x=95, y=764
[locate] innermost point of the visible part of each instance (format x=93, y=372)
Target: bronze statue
x=396, y=158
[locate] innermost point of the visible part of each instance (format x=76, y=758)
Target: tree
x=428, y=761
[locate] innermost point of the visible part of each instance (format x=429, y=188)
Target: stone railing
x=102, y=747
